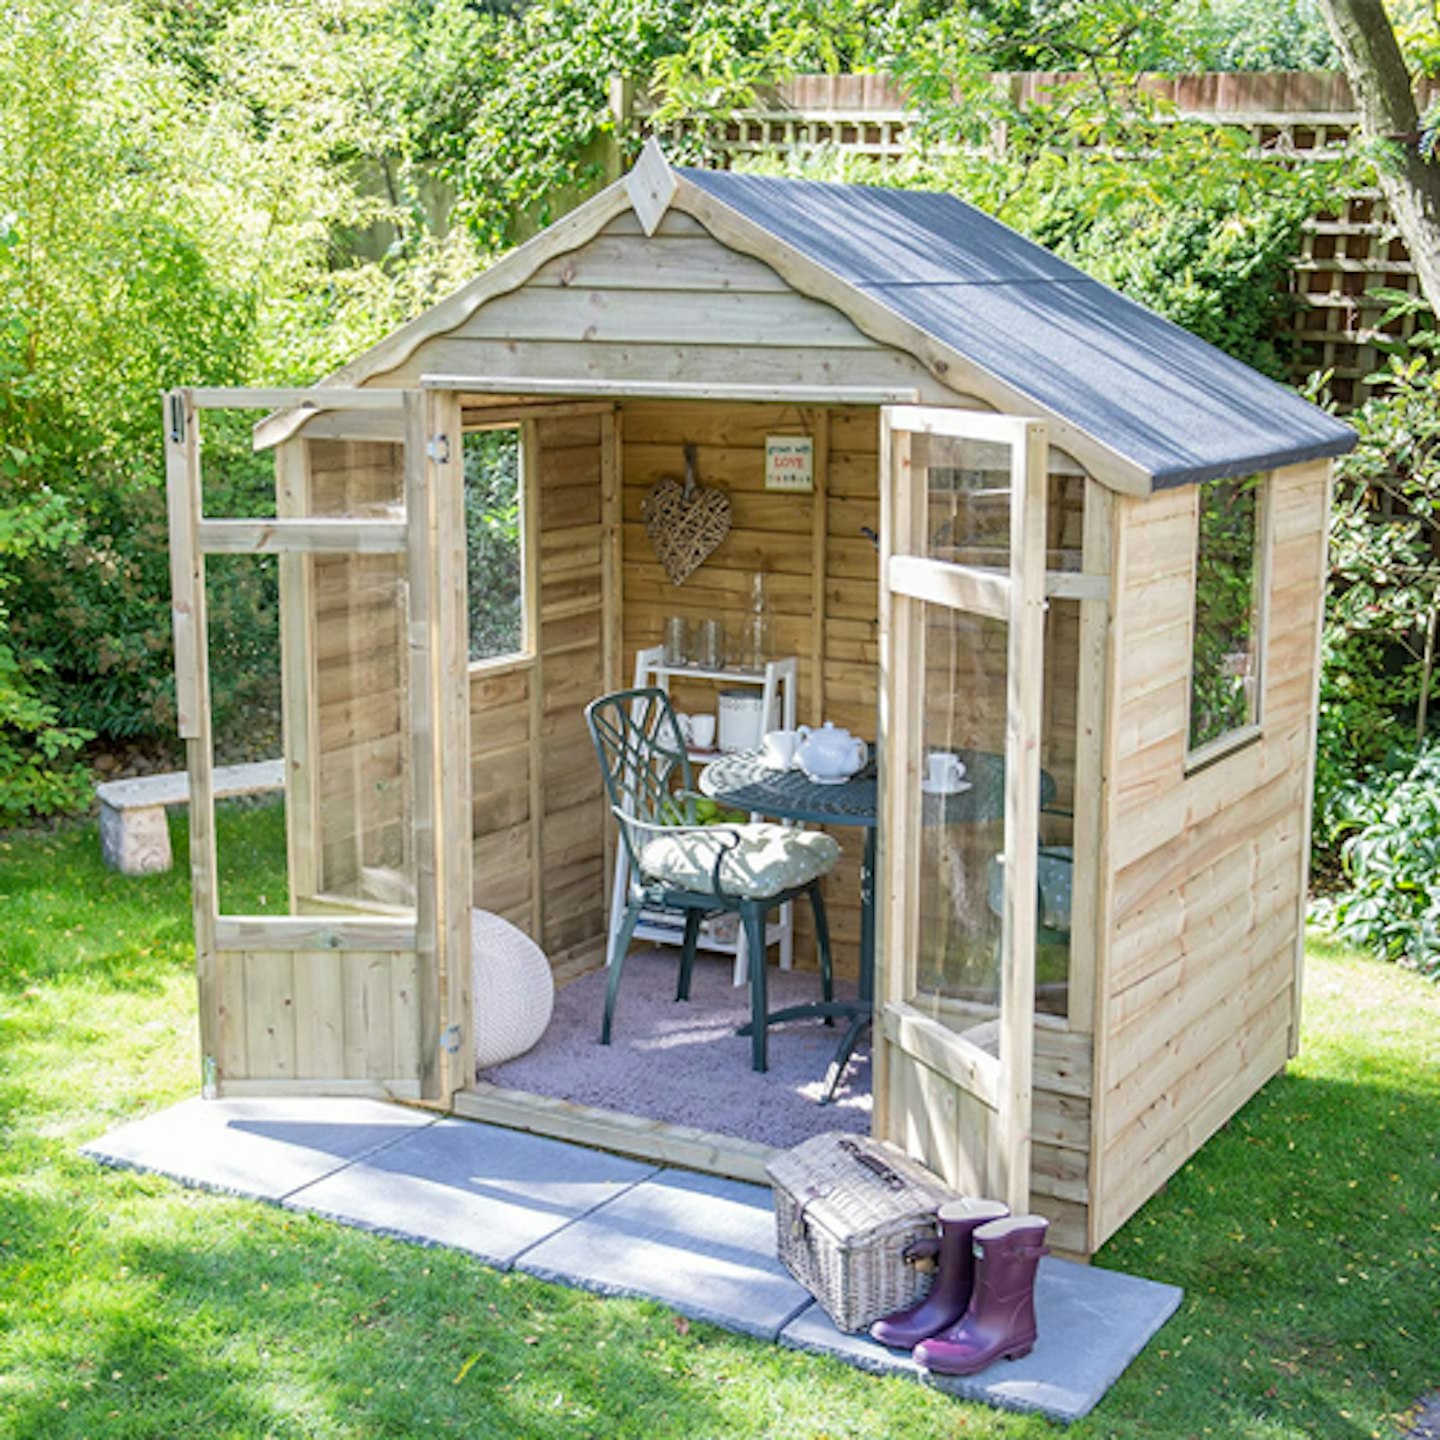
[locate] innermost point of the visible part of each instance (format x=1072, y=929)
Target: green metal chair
x=678, y=864
x=1054, y=886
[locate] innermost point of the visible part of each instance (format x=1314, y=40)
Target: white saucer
x=958, y=788
x=828, y=780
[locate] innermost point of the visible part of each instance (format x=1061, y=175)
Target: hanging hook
x=690, y=464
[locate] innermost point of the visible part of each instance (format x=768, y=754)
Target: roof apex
x=651, y=186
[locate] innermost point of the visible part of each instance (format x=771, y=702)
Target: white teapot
x=831, y=754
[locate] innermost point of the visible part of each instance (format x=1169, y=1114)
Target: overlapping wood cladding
x=821, y=583
x=539, y=824
x=954, y=1132
x=675, y=306
x=363, y=818
x=1207, y=867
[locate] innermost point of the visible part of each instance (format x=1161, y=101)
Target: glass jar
x=710, y=648
x=677, y=641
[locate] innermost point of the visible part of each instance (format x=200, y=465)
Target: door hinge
x=177, y=418
x=438, y=449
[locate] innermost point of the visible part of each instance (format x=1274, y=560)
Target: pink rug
x=684, y=1063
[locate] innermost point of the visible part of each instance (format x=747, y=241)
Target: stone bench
x=134, y=836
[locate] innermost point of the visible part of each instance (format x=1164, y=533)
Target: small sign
x=790, y=463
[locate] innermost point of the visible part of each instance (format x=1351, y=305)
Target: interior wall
x=820, y=575
x=1207, y=869
x=362, y=814
x=539, y=823
x=821, y=581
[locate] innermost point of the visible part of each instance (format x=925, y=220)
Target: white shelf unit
x=777, y=683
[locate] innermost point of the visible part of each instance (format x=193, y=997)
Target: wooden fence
x=1345, y=256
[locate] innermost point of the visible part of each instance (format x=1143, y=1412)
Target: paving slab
x=703, y=1245
x=700, y=1244
x=474, y=1187
x=262, y=1149
x=1091, y=1323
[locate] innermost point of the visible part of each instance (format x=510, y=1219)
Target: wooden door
x=343, y=994
x=962, y=609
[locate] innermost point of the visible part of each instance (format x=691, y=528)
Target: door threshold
x=635, y=1135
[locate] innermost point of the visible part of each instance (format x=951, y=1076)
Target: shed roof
x=1141, y=402
x=1172, y=404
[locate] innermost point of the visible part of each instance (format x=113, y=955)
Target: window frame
x=527, y=463
x=1241, y=737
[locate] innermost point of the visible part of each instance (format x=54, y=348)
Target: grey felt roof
x=1166, y=400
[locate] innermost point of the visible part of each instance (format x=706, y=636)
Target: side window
x=495, y=542
x=1229, y=582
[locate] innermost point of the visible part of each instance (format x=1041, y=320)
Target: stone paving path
x=1426, y=1425
x=586, y=1218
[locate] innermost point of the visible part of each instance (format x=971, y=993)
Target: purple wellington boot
x=945, y=1301
x=1001, y=1318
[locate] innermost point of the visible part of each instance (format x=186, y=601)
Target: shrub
x=1390, y=854
x=1379, y=654
x=39, y=772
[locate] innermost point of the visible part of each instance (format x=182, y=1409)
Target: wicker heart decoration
x=685, y=522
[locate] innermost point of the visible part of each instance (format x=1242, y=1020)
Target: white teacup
x=944, y=771
x=780, y=747
x=702, y=732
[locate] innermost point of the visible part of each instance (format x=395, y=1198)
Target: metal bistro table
x=744, y=781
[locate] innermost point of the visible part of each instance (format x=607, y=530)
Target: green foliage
x=1381, y=617
x=730, y=51
x=97, y=269
x=173, y=181
x=1385, y=531
x=38, y=771
x=1260, y=35
x=1223, y=678
x=1363, y=720
x=493, y=543
x=530, y=147
x=1389, y=903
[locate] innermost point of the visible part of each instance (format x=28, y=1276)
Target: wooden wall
x=362, y=814
x=821, y=574
x=821, y=578
x=953, y=1132
x=1199, y=955
x=540, y=826
x=616, y=309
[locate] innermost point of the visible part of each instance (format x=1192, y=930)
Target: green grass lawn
x=1307, y=1236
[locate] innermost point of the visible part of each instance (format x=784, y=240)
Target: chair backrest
x=642, y=756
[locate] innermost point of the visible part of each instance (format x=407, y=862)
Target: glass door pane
x=962, y=829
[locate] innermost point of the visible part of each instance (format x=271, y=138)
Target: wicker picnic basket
x=853, y=1216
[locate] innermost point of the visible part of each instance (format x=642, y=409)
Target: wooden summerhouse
x=1035, y=522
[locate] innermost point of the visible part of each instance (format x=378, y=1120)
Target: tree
x=1390, y=125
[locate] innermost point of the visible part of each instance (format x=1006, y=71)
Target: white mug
x=702, y=732
x=944, y=770
x=780, y=747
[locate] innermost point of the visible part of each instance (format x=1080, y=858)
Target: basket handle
x=922, y=1253
x=874, y=1164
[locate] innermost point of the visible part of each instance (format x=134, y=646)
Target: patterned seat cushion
x=768, y=859
x=1054, y=878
